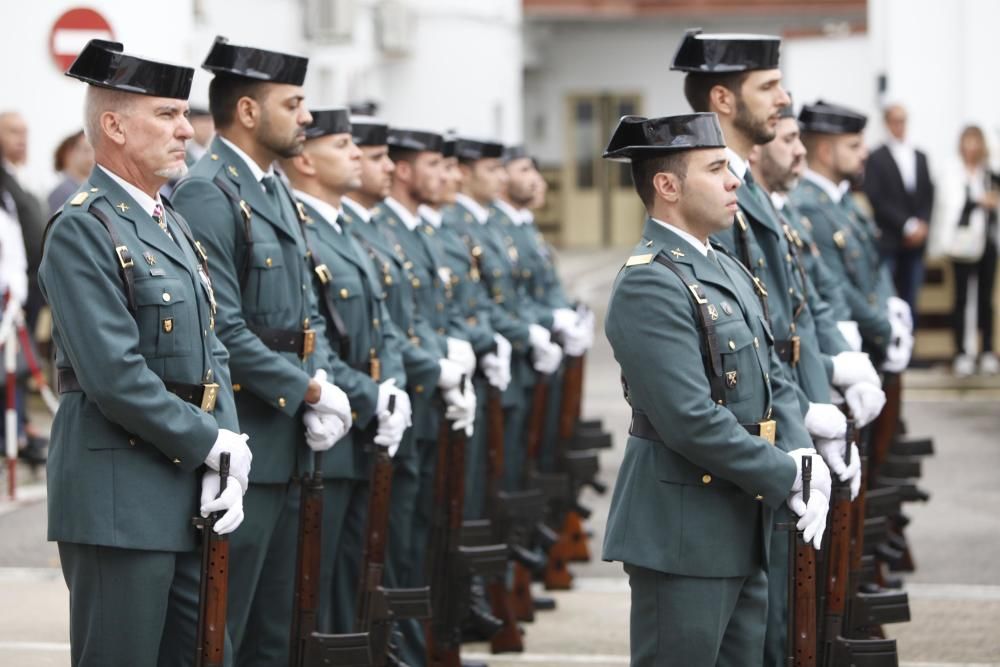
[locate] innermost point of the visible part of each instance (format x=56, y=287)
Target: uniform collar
x=411, y=221
x=737, y=164
x=326, y=210
x=357, y=209
x=779, y=200
x=510, y=212
x=147, y=203
x=698, y=245
x=431, y=215
x=527, y=216
x=832, y=190
x=478, y=212
x=258, y=173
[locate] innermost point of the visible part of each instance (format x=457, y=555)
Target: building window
x=583, y=143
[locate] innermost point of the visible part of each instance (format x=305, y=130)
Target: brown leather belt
x=300, y=341
x=641, y=427
x=789, y=350
x=201, y=395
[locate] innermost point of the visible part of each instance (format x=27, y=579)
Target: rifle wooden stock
x=884, y=428
x=521, y=599
x=214, y=588
x=575, y=547
x=837, y=569
x=508, y=639
x=305, y=605
x=801, y=639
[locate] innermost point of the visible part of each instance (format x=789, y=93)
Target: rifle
x=837, y=558
x=451, y=562
x=378, y=606
x=214, y=588
x=310, y=648
x=801, y=639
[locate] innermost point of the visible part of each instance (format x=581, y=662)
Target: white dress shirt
x=329, y=212
x=254, y=168
x=478, y=212
x=147, y=203
x=409, y=220
x=701, y=246
x=357, y=209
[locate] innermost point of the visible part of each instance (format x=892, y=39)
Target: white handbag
x=968, y=241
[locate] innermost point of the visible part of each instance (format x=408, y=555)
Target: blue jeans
x=907, y=269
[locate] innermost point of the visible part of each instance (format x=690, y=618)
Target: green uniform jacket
x=125, y=454
x=356, y=293
x=278, y=294
x=826, y=283
x=851, y=254
x=768, y=256
x=699, y=503
x=538, y=270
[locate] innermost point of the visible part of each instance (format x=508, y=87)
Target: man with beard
x=358, y=329
x=701, y=477
x=268, y=318
x=777, y=166
x=147, y=407
x=833, y=137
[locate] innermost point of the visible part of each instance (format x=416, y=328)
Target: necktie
x=271, y=187
x=161, y=221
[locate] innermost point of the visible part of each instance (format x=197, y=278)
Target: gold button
x=166, y=297
x=305, y=323
x=282, y=402
x=440, y=307
x=759, y=497
x=706, y=479
x=177, y=461
x=760, y=262
x=343, y=293
x=767, y=378
x=419, y=389
x=354, y=415
x=236, y=388
x=732, y=345
x=416, y=283
x=268, y=261
x=131, y=442
x=756, y=343
x=375, y=323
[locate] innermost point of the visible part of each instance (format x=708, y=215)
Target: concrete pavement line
x=952, y=591
x=25, y=495
x=29, y=574
x=51, y=647
x=549, y=658
x=601, y=584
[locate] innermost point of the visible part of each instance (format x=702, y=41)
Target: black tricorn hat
x=363, y=108
x=328, y=121
x=824, y=118
x=474, y=149
x=369, y=131
x=103, y=64
x=637, y=137
x=253, y=63
x=724, y=53
x=415, y=140
x=515, y=152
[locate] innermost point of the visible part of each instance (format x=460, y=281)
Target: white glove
x=897, y=355
x=849, y=330
x=833, y=452
x=564, y=319
x=231, y=501
x=322, y=431
x=538, y=335
x=580, y=338
x=240, y=455
x=461, y=410
x=853, y=367
x=451, y=374
x=865, y=401
x=503, y=347
x=391, y=427
x=403, y=407
x=547, y=358
x=497, y=371
x=332, y=400
x=825, y=420
x=900, y=311
x=461, y=352
x=813, y=515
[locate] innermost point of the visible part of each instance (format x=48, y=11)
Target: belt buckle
x=210, y=392
x=768, y=430
x=323, y=273
x=124, y=257
x=308, y=343
x=796, y=350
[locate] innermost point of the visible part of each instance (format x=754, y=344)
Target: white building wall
x=463, y=68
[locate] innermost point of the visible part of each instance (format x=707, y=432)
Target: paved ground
x=954, y=595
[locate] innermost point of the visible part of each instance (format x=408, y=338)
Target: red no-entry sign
x=71, y=32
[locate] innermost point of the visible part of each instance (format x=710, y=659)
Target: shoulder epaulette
x=636, y=260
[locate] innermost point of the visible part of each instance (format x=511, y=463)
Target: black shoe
x=544, y=603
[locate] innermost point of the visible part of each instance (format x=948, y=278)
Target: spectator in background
x=74, y=160
x=898, y=185
x=966, y=232
x=23, y=206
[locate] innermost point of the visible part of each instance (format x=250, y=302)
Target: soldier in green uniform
x=358, y=328
x=693, y=505
x=146, y=399
x=268, y=319
x=422, y=358
x=833, y=137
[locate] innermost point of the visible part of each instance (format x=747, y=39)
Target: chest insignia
x=121, y=206
x=731, y=378
x=726, y=308
x=713, y=312
x=149, y=257
x=676, y=252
